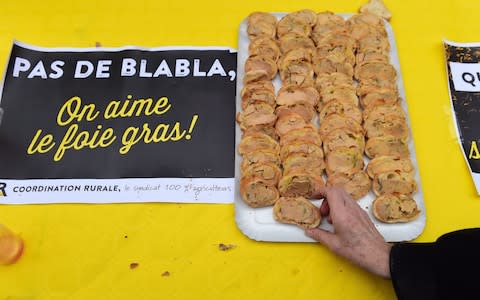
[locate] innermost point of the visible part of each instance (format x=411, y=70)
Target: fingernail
x=308, y=232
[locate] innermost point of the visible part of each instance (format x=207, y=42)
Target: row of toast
x=335, y=71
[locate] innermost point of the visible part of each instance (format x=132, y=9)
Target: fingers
x=327, y=193
x=322, y=236
x=337, y=198
x=324, y=209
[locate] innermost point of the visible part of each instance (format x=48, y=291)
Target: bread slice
x=257, y=193
x=356, y=185
x=298, y=211
x=386, y=146
x=382, y=164
x=342, y=107
x=391, y=208
x=343, y=137
x=308, y=149
x=257, y=141
x=289, y=121
x=394, y=182
x=267, y=171
x=300, y=183
x=376, y=7
x=255, y=157
x=344, y=160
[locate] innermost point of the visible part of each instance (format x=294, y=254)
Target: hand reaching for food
x=354, y=235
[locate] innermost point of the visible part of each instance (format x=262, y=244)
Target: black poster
x=463, y=70
x=111, y=114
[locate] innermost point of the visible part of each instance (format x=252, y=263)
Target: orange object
x=11, y=246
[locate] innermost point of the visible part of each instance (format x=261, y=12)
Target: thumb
x=322, y=236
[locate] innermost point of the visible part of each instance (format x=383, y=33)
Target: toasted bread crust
x=392, y=208
x=257, y=193
x=298, y=211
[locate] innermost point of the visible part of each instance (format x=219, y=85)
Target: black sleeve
x=446, y=269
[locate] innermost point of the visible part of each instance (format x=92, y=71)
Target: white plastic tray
x=258, y=223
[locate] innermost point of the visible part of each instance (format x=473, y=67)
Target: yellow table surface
x=85, y=251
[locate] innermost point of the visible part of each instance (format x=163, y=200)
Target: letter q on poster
x=466, y=76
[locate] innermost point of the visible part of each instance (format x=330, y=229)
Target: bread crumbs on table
x=165, y=274
x=224, y=247
x=134, y=265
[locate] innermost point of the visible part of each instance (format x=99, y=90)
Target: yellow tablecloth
x=85, y=251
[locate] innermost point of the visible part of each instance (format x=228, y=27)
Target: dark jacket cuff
x=412, y=268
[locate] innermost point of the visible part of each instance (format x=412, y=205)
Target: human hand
x=355, y=236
